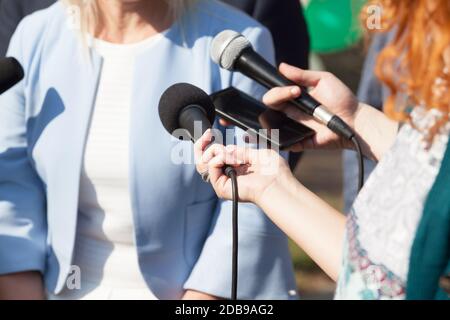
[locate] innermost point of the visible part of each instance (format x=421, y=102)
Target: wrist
x=282, y=183
x=375, y=131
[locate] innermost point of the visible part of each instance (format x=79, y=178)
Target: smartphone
x=253, y=116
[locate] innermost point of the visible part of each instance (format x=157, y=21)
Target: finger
x=201, y=144
x=216, y=162
x=299, y=116
x=239, y=155
x=302, y=77
x=280, y=95
x=213, y=151
x=215, y=170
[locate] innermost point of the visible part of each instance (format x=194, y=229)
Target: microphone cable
x=231, y=173
x=358, y=150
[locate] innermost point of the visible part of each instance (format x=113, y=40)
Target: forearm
x=314, y=225
x=375, y=130
x=22, y=286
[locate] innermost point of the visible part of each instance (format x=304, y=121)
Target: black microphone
x=182, y=105
x=232, y=51
x=11, y=73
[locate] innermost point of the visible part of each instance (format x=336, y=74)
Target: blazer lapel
x=61, y=147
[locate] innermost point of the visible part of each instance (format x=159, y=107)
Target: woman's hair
x=88, y=11
x=416, y=64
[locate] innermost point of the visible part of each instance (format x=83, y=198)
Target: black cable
x=360, y=162
x=231, y=173
x=338, y=126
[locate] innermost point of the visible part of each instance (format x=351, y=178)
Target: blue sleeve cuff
x=20, y=255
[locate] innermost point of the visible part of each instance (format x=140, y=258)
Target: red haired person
x=395, y=243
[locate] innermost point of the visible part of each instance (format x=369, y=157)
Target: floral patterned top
x=383, y=220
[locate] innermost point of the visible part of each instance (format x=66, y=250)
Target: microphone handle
x=259, y=69
x=254, y=66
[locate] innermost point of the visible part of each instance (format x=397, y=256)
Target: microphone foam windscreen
x=227, y=47
x=178, y=97
x=11, y=73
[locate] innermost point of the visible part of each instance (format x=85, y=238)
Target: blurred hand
x=257, y=170
x=329, y=91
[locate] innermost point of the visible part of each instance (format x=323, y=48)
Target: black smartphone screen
x=252, y=116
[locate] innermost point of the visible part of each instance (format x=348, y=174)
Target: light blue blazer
x=183, y=232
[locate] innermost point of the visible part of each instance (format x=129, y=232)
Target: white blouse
x=105, y=247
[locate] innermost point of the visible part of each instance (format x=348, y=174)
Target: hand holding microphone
x=326, y=88
x=257, y=170
x=232, y=51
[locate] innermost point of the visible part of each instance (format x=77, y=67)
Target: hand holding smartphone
x=251, y=115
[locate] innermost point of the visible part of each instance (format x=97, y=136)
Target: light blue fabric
x=183, y=232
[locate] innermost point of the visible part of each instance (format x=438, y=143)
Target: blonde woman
x=93, y=204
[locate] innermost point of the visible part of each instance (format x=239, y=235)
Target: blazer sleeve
x=265, y=267
x=22, y=197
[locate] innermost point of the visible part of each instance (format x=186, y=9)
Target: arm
x=22, y=199
x=309, y=221
x=265, y=179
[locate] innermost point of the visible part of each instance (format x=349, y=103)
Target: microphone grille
x=227, y=47
x=179, y=96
